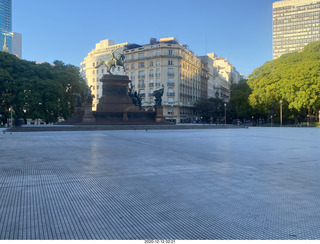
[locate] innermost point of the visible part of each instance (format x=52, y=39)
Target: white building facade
x=92, y=74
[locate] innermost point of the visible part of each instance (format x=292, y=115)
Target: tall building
x=6, y=24
x=91, y=74
x=17, y=44
x=169, y=64
x=296, y=23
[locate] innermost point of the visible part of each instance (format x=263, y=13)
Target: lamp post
x=225, y=113
x=10, y=109
x=281, y=113
x=172, y=113
x=271, y=120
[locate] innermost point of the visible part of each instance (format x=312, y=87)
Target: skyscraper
x=296, y=23
x=6, y=23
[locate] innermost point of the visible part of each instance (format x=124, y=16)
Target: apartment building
x=296, y=23
x=169, y=64
x=91, y=74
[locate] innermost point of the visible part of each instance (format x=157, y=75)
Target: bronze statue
x=136, y=97
x=158, y=97
x=88, y=96
x=112, y=62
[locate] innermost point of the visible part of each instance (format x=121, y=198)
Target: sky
x=67, y=30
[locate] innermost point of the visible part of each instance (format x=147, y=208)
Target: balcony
x=151, y=75
x=170, y=94
x=151, y=84
x=141, y=85
x=170, y=74
x=141, y=76
x=170, y=83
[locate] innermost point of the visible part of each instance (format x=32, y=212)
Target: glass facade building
x=6, y=23
x=296, y=23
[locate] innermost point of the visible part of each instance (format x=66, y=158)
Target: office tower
x=296, y=23
x=17, y=44
x=6, y=24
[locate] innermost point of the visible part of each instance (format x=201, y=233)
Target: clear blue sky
x=66, y=30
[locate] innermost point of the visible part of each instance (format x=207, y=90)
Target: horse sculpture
x=112, y=62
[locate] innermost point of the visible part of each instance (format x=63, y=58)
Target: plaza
x=255, y=183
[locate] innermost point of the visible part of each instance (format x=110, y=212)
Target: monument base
x=159, y=115
x=88, y=118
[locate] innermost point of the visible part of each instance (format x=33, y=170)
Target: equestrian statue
x=112, y=62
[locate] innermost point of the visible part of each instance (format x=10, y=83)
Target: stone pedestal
x=159, y=115
x=88, y=118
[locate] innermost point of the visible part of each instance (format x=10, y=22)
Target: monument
x=119, y=103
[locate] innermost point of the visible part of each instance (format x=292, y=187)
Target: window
x=132, y=66
x=127, y=66
x=151, y=63
x=151, y=73
x=158, y=53
x=141, y=55
x=151, y=82
x=158, y=63
x=151, y=54
x=170, y=99
x=93, y=72
x=132, y=76
x=93, y=64
x=141, y=84
x=141, y=74
x=170, y=72
x=170, y=62
x=170, y=91
x=102, y=71
x=141, y=65
x=151, y=90
x=170, y=52
x=170, y=110
x=157, y=81
x=157, y=72
x=142, y=92
x=132, y=57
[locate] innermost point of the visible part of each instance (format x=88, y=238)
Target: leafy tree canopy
x=38, y=90
x=293, y=78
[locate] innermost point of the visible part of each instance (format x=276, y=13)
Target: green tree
x=293, y=78
x=239, y=100
x=211, y=110
x=41, y=91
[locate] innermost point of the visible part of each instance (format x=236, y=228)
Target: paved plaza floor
x=256, y=183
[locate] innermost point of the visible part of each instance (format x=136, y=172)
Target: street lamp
x=271, y=120
x=225, y=113
x=10, y=110
x=281, y=113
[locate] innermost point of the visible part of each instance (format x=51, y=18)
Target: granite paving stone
x=255, y=183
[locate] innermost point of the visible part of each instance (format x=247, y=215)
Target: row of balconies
x=155, y=84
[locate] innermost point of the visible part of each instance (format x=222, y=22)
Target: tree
x=239, y=100
x=292, y=78
x=41, y=91
x=211, y=110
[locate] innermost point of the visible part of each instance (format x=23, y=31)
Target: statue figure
x=136, y=97
x=78, y=100
x=88, y=96
x=112, y=62
x=158, y=97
